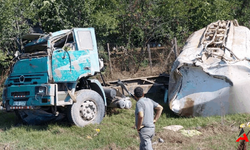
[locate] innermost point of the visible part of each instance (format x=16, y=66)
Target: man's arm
x=158, y=109
x=140, y=119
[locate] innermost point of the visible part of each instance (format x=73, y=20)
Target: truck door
x=76, y=57
x=86, y=41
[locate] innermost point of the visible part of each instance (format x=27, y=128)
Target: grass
x=114, y=129
x=117, y=132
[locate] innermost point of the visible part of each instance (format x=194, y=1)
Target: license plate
x=19, y=103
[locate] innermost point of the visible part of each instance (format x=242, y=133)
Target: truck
x=52, y=77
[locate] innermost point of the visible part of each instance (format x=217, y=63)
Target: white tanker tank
x=211, y=76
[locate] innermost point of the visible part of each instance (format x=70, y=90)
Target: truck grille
x=20, y=94
x=27, y=79
x=21, y=99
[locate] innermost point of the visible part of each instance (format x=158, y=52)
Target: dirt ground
x=213, y=137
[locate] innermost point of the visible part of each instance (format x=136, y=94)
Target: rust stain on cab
x=188, y=108
x=33, y=66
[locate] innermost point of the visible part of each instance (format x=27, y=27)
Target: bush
x=4, y=65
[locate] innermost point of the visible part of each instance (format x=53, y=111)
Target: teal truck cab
x=51, y=76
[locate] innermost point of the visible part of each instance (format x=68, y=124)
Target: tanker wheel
x=88, y=109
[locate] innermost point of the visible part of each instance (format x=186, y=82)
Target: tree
x=132, y=23
x=241, y=12
x=139, y=22
x=66, y=14
x=14, y=23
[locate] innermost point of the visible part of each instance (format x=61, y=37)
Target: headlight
x=41, y=90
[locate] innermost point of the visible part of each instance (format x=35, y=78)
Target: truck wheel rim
x=88, y=110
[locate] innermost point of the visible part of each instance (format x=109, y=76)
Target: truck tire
x=88, y=109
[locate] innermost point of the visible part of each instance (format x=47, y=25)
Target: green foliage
x=144, y=63
x=3, y=63
x=242, y=12
x=3, y=66
x=139, y=23
x=130, y=23
x=14, y=23
x=127, y=23
x=64, y=14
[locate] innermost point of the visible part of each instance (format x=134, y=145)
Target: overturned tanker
x=212, y=74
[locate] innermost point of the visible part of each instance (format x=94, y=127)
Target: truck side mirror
x=17, y=53
x=101, y=65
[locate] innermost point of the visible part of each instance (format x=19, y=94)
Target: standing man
x=145, y=119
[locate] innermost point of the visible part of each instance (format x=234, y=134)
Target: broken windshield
x=65, y=42
x=37, y=45
x=34, y=45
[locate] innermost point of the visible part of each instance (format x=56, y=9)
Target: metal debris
x=211, y=75
x=161, y=140
x=173, y=127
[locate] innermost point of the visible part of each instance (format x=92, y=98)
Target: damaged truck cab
x=52, y=75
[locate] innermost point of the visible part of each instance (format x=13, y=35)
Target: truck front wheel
x=88, y=109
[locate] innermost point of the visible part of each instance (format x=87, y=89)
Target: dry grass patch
x=214, y=136
x=113, y=146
